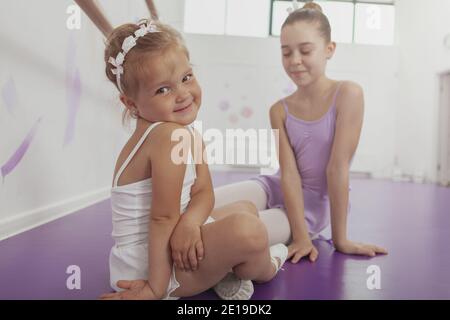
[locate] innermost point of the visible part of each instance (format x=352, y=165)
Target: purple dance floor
x=411, y=220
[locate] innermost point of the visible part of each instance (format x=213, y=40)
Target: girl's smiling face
x=169, y=92
x=304, y=52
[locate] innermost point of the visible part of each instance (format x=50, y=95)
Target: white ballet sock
x=279, y=251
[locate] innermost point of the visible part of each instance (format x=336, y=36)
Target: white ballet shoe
x=233, y=288
x=279, y=251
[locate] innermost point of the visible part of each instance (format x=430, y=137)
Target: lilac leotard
x=311, y=142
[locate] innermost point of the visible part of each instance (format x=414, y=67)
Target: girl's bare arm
x=151, y=7
x=93, y=11
x=291, y=183
x=350, y=113
x=167, y=181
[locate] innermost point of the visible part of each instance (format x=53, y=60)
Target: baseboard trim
x=31, y=219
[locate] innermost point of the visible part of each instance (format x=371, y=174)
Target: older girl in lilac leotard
x=322, y=149
x=311, y=142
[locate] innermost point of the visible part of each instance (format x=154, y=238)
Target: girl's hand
x=134, y=290
x=302, y=248
x=187, y=246
x=350, y=247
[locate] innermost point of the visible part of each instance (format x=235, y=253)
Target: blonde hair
x=146, y=46
x=311, y=12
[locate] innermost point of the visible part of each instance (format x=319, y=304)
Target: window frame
x=374, y=2
x=271, y=14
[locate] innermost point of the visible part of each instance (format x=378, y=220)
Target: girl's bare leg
x=242, y=206
x=238, y=242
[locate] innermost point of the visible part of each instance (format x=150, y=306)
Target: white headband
x=127, y=45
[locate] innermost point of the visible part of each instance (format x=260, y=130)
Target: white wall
x=422, y=26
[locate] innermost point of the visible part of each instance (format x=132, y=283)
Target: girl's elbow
x=337, y=169
x=165, y=218
x=330, y=170
x=290, y=176
x=288, y=181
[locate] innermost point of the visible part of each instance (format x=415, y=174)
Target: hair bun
x=312, y=6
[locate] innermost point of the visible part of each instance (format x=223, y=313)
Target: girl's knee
x=248, y=207
x=249, y=232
